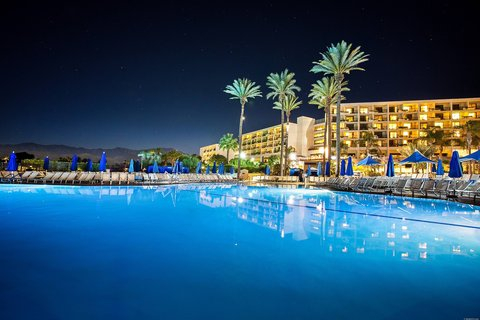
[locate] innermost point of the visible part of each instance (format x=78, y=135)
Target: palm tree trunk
x=240, y=129
x=325, y=133
x=228, y=151
x=282, y=145
x=339, y=78
x=286, y=142
x=329, y=135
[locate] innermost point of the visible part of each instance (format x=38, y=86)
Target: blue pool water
x=228, y=252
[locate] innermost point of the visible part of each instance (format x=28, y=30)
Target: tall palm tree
x=281, y=86
x=242, y=90
x=288, y=104
x=228, y=142
x=323, y=93
x=339, y=60
x=435, y=137
x=369, y=138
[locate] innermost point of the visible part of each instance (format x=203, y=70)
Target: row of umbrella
x=13, y=165
x=178, y=168
x=346, y=168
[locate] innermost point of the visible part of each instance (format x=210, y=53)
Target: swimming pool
x=226, y=252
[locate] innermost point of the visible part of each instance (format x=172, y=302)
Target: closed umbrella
x=208, y=170
x=180, y=166
x=349, y=171
x=74, y=165
x=221, y=169
x=267, y=170
x=12, y=162
x=319, y=169
x=131, y=167
x=198, y=170
x=103, y=162
x=46, y=163
x=390, y=167
x=440, y=171
x=455, y=167
x=232, y=170
x=155, y=167
x=327, y=169
x=214, y=168
x=342, y=167
x=89, y=165
x=434, y=168
x=309, y=171
x=175, y=167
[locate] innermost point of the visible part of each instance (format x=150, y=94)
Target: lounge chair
x=71, y=177
x=105, y=178
x=114, y=178
x=61, y=177
x=123, y=178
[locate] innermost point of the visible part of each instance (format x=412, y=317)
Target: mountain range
x=115, y=155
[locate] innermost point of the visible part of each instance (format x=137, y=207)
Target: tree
x=288, y=104
x=172, y=156
x=471, y=131
x=218, y=158
x=190, y=161
x=228, y=142
x=435, y=137
x=369, y=138
x=339, y=60
x=242, y=90
x=150, y=156
x=281, y=86
x=323, y=93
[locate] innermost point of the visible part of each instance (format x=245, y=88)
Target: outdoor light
x=243, y=155
x=293, y=156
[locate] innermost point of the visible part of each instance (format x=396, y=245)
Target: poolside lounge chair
x=105, y=178
x=130, y=178
x=60, y=178
x=123, y=178
x=71, y=177
x=114, y=178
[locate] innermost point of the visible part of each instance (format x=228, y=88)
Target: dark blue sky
x=143, y=76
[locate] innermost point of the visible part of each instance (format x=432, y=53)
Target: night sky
x=142, y=76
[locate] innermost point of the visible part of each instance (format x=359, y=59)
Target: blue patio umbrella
x=434, y=168
x=232, y=170
x=175, y=167
x=390, y=167
x=46, y=163
x=214, y=168
x=267, y=170
x=309, y=171
x=103, y=162
x=440, y=170
x=12, y=162
x=89, y=165
x=74, y=165
x=131, y=167
x=471, y=157
x=319, y=169
x=368, y=161
x=155, y=167
x=198, y=170
x=137, y=166
x=349, y=171
x=327, y=169
x=342, y=167
x=221, y=170
x=208, y=170
x=416, y=157
x=180, y=166
x=455, y=166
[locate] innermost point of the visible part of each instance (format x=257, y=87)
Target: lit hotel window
x=405, y=141
x=471, y=115
x=424, y=108
x=393, y=135
x=423, y=117
x=393, y=118
x=392, y=126
x=455, y=124
x=363, y=110
x=405, y=133
x=455, y=116
x=439, y=124
x=407, y=125
x=457, y=133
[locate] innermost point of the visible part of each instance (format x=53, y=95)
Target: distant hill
x=115, y=155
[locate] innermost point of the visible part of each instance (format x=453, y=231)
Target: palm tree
x=282, y=85
x=228, y=142
x=339, y=60
x=323, y=93
x=435, y=137
x=471, y=131
x=242, y=89
x=369, y=138
x=288, y=104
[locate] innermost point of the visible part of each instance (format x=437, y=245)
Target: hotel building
x=393, y=123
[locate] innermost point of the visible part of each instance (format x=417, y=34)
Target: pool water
x=227, y=252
